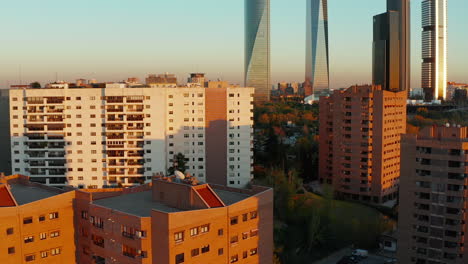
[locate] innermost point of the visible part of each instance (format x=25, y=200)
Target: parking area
x=337, y=256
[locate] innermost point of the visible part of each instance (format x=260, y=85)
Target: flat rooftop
x=24, y=194
x=141, y=203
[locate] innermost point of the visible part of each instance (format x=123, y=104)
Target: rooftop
x=139, y=204
x=24, y=194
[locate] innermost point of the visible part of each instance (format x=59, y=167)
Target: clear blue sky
x=115, y=39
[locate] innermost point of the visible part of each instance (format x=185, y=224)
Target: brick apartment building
x=360, y=132
x=161, y=222
x=433, y=196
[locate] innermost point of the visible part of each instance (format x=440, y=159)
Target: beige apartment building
x=117, y=134
x=360, y=130
x=433, y=196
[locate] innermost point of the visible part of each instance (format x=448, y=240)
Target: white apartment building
x=121, y=135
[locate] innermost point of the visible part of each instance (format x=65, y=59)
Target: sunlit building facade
x=434, y=49
x=317, y=58
x=257, y=48
x=120, y=135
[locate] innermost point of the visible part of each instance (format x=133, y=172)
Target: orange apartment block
x=432, y=226
x=36, y=222
x=165, y=222
x=360, y=130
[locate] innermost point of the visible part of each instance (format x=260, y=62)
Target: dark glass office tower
x=257, y=48
x=391, y=47
x=317, y=59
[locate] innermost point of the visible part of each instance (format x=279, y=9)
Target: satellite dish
x=179, y=175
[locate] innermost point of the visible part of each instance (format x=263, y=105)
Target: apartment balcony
x=135, y=118
x=34, y=101
x=56, y=172
x=135, y=127
x=58, y=127
x=128, y=235
x=55, y=110
x=36, y=119
x=115, y=136
x=40, y=163
x=35, y=127
x=55, y=100
x=55, y=137
x=116, y=173
x=115, y=127
x=56, y=154
x=112, y=153
x=56, y=164
x=116, y=146
x=116, y=163
x=54, y=119
x=115, y=110
x=115, y=119
x=136, y=154
x=138, y=109
x=140, y=136
x=35, y=136
x=136, y=180
x=34, y=110
x=135, y=146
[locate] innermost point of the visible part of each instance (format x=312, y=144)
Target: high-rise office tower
x=5, y=143
x=391, y=47
x=257, y=48
x=317, y=58
x=120, y=135
x=432, y=213
x=360, y=132
x=434, y=49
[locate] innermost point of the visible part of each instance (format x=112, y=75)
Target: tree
x=178, y=164
x=35, y=85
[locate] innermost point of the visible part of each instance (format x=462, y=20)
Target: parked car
x=360, y=253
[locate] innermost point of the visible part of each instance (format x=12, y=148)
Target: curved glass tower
x=434, y=49
x=257, y=48
x=317, y=60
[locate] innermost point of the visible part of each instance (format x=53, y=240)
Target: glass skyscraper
x=434, y=49
x=391, y=47
x=257, y=48
x=317, y=58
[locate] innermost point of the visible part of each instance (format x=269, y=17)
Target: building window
x=234, y=239
x=244, y=254
x=195, y=252
x=194, y=231
x=54, y=234
x=205, y=229
x=234, y=220
x=54, y=215
x=234, y=258
x=245, y=235
x=29, y=258
x=44, y=254
x=220, y=232
x=27, y=220
x=11, y=250
x=55, y=251
x=10, y=231
x=253, y=214
x=41, y=218
x=179, y=258
x=253, y=251
x=42, y=236
x=28, y=239
x=254, y=232
x=220, y=251
x=205, y=249
x=244, y=217
x=179, y=237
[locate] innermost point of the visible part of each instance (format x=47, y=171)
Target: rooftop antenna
x=20, y=74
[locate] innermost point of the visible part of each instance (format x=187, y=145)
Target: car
x=360, y=253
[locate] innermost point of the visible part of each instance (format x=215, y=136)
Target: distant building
x=295, y=86
x=168, y=221
x=452, y=87
x=432, y=212
x=133, y=80
x=282, y=86
x=257, y=48
x=360, y=132
x=118, y=135
x=417, y=93
x=434, y=49
x=317, y=58
x=5, y=137
x=166, y=78
x=391, y=47
x=197, y=78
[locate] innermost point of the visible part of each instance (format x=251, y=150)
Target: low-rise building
x=168, y=221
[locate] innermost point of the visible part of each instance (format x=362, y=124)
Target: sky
x=110, y=40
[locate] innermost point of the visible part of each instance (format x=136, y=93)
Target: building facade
x=317, y=58
x=432, y=214
x=391, y=47
x=359, y=147
x=257, y=48
x=5, y=145
x=434, y=49
x=168, y=221
x=119, y=135
x=37, y=222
